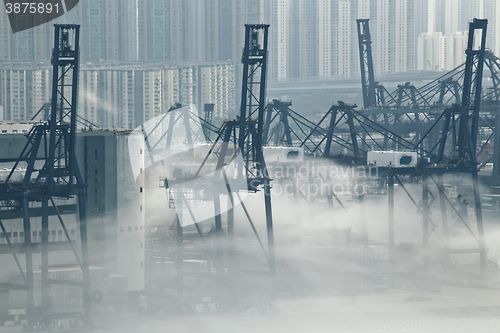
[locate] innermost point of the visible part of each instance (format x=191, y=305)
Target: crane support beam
x=366, y=63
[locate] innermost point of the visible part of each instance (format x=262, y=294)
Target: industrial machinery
x=459, y=140
x=218, y=175
x=51, y=174
x=438, y=129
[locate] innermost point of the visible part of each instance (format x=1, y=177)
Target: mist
x=178, y=193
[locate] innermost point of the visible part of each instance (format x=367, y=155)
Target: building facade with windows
x=115, y=204
x=441, y=46
x=23, y=91
x=319, y=38
x=122, y=95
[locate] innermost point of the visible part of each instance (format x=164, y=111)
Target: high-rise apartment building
x=326, y=38
x=144, y=30
x=442, y=46
x=125, y=96
x=29, y=45
x=345, y=39
x=224, y=30
x=107, y=33
x=303, y=48
x=217, y=85
x=23, y=91
x=122, y=95
x=165, y=30
x=319, y=38
x=278, y=15
x=194, y=30
x=307, y=38
x=393, y=36
x=404, y=36
x=452, y=16
x=293, y=43
x=438, y=52
x=152, y=27
x=106, y=29
x=395, y=26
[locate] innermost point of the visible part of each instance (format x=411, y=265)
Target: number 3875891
x=31, y=7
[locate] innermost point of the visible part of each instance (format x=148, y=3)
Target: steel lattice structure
x=51, y=173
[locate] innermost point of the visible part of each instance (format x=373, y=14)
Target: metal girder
x=253, y=95
x=253, y=87
x=374, y=93
x=245, y=135
x=423, y=105
x=366, y=63
x=277, y=124
x=471, y=95
x=208, y=111
x=449, y=86
x=59, y=177
x=37, y=212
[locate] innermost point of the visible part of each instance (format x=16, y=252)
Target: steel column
x=179, y=259
x=85, y=251
x=479, y=221
x=45, y=256
x=496, y=152
x=331, y=129
x=362, y=212
x=366, y=63
x=230, y=232
x=425, y=222
x=390, y=197
x=30, y=310
x=444, y=220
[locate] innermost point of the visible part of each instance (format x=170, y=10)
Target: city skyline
x=122, y=95
x=188, y=51
x=317, y=38
x=328, y=27
x=250, y=165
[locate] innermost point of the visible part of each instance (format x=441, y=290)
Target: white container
x=395, y=159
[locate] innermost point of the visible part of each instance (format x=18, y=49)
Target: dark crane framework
x=241, y=136
x=245, y=133
x=441, y=121
x=462, y=150
x=408, y=118
x=431, y=103
x=51, y=173
x=404, y=119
